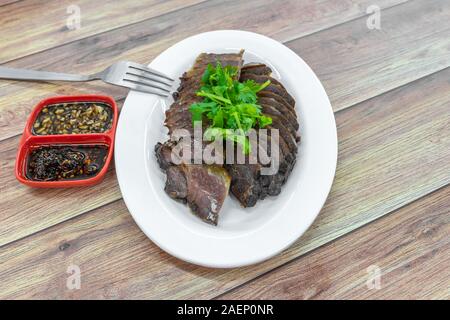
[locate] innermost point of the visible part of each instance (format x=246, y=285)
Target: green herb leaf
x=230, y=105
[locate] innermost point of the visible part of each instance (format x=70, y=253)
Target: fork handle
x=23, y=74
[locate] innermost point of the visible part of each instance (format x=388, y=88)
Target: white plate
x=243, y=236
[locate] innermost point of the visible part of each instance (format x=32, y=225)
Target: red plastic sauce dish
x=82, y=127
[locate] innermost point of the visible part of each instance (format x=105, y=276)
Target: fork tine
x=148, y=76
x=144, y=81
x=144, y=88
x=149, y=70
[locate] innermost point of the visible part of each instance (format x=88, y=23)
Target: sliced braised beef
x=248, y=185
x=203, y=187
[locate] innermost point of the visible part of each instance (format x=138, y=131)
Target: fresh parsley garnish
x=231, y=106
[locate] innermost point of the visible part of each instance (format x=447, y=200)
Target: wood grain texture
x=6, y=2
x=381, y=148
x=43, y=24
x=143, y=41
x=410, y=247
x=355, y=63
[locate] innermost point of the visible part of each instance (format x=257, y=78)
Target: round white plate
x=243, y=236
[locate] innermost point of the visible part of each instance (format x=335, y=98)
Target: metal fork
x=124, y=73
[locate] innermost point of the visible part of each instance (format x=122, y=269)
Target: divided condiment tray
x=31, y=141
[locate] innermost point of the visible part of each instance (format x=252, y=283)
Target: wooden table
x=388, y=213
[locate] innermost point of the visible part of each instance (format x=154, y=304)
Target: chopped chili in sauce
x=66, y=162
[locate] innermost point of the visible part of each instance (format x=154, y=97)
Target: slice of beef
x=176, y=183
x=256, y=68
x=203, y=187
x=271, y=108
x=245, y=184
x=271, y=95
x=289, y=113
x=207, y=188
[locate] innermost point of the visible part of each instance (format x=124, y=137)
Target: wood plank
x=410, y=247
x=381, y=146
x=48, y=21
x=355, y=63
x=6, y=2
x=143, y=41
x=43, y=25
